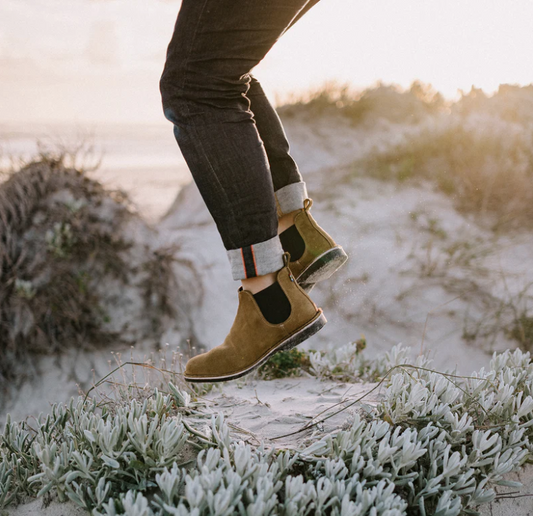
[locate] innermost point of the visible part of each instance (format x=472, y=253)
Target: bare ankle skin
x=286, y=221
x=254, y=285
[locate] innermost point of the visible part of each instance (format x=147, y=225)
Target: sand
x=399, y=285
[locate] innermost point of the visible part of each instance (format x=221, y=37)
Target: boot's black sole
x=290, y=342
x=322, y=267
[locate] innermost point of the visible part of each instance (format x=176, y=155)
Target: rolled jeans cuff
x=290, y=198
x=257, y=259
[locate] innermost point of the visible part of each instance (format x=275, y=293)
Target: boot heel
x=304, y=333
x=322, y=267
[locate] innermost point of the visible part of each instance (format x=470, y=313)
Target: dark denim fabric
x=229, y=134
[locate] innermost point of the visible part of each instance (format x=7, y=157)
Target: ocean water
x=144, y=160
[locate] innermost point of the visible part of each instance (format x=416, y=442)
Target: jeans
x=229, y=134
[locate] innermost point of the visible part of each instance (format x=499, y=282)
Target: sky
x=83, y=61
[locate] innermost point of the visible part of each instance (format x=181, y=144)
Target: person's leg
x=314, y=255
x=204, y=85
x=289, y=187
x=306, y=8
x=283, y=168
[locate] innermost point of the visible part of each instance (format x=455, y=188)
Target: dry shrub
x=511, y=103
x=76, y=268
x=483, y=162
x=478, y=150
x=383, y=101
x=53, y=244
x=164, y=289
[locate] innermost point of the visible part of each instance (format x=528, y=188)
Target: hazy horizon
x=94, y=62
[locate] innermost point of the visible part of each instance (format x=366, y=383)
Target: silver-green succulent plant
x=435, y=444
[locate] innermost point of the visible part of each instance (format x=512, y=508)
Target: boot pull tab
x=307, y=204
x=286, y=260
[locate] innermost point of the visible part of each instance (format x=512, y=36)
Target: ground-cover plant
x=339, y=363
x=349, y=362
x=284, y=364
x=435, y=444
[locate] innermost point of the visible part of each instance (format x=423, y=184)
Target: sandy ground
x=276, y=412
x=400, y=285
x=512, y=501
x=54, y=508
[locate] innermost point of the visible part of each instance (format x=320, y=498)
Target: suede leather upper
x=317, y=241
x=251, y=336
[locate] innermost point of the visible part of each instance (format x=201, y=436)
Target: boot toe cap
x=195, y=366
x=216, y=363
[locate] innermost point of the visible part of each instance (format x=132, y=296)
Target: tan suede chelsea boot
x=320, y=257
x=252, y=340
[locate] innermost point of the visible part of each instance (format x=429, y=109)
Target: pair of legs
x=229, y=134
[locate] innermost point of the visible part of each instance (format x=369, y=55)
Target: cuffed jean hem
x=290, y=198
x=257, y=259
